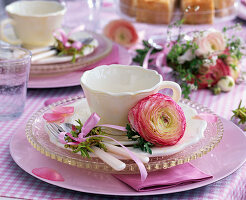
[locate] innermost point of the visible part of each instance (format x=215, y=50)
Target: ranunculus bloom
x=210, y=42
x=121, y=32
x=158, y=119
x=213, y=75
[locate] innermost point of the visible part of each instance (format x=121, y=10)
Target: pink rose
x=121, y=32
x=210, y=42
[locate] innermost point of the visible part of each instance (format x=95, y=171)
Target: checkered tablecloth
x=14, y=182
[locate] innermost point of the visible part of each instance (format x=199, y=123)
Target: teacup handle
x=177, y=92
x=4, y=37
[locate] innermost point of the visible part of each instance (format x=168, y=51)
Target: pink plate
x=73, y=78
x=221, y=162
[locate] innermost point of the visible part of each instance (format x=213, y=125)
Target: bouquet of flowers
x=202, y=59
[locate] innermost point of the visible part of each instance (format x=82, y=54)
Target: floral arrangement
x=200, y=59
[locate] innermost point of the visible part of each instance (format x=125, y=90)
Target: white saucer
x=194, y=132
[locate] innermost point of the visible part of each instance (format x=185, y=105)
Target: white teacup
x=33, y=22
x=112, y=90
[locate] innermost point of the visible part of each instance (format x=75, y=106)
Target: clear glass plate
x=39, y=139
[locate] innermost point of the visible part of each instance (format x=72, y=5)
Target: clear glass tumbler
x=14, y=75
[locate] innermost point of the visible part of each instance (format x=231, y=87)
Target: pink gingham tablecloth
x=14, y=182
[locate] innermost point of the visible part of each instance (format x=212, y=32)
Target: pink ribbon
x=90, y=123
x=63, y=37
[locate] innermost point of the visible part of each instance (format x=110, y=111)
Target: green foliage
x=223, y=56
x=86, y=146
x=187, y=71
x=142, y=143
x=141, y=53
x=62, y=50
x=240, y=113
x=235, y=46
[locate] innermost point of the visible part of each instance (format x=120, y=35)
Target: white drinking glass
x=14, y=75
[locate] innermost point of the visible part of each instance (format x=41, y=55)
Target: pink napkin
x=166, y=178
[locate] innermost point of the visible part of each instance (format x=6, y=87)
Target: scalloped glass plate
x=39, y=139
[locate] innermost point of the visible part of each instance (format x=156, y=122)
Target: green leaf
x=142, y=143
x=233, y=66
x=146, y=44
x=223, y=56
x=141, y=53
x=240, y=113
x=86, y=146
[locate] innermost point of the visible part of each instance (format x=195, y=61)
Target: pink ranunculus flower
x=211, y=41
x=121, y=32
x=158, y=119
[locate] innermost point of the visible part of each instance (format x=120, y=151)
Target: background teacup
x=112, y=90
x=33, y=22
